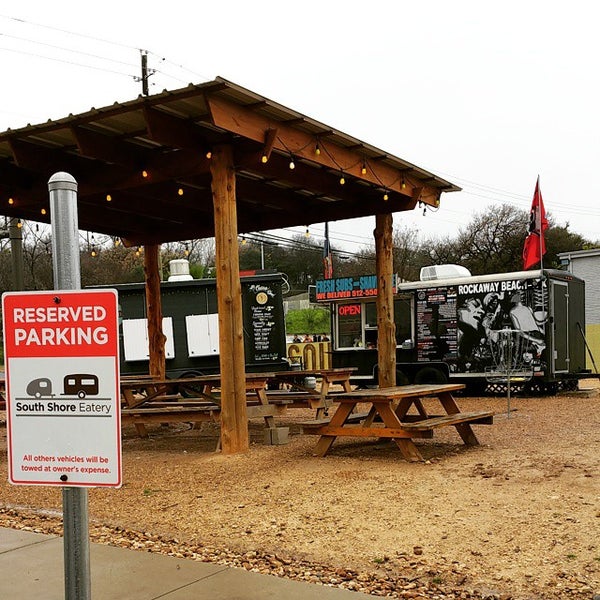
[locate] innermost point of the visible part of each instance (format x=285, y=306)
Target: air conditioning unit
x=180, y=270
x=434, y=272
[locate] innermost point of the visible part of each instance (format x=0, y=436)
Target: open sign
x=346, y=310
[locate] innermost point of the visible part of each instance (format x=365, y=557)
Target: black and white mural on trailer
x=470, y=325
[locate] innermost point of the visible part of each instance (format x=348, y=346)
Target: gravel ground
x=516, y=517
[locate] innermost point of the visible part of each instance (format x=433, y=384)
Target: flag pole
x=540, y=227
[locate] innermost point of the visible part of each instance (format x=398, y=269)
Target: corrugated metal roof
x=168, y=136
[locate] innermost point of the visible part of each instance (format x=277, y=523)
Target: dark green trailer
x=479, y=330
x=191, y=326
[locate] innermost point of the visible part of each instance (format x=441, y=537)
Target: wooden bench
x=474, y=418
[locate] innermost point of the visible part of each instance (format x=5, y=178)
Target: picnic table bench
x=191, y=399
x=300, y=395
x=388, y=417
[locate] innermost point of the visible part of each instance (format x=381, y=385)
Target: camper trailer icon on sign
x=75, y=384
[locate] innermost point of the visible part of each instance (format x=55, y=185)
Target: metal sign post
x=62, y=188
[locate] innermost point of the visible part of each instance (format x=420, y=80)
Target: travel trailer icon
x=75, y=384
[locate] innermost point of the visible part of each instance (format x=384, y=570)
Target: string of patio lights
x=319, y=147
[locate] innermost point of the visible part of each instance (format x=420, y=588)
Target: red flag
x=535, y=245
x=327, y=256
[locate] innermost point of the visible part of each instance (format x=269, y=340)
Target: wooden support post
x=386, y=327
x=234, y=420
x=156, y=338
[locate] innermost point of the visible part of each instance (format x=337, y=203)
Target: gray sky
x=486, y=95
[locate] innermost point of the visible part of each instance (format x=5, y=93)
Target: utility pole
x=144, y=78
x=14, y=233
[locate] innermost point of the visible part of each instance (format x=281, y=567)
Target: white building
x=585, y=264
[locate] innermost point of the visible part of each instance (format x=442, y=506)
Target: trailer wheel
x=401, y=378
x=430, y=375
x=188, y=393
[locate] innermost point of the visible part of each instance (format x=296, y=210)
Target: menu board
x=262, y=324
x=436, y=323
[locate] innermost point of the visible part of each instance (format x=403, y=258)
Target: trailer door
x=559, y=293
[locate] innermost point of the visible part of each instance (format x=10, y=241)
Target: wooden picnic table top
x=397, y=392
x=148, y=380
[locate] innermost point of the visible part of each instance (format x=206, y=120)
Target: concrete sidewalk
x=31, y=568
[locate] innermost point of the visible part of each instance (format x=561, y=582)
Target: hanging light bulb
x=292, y=164
x=264, y=159
x=93, y=252
x=317, y=150
x=11, y=201
x=307, y=233
x=403, y=182
x=209, y=154
x=385, y=197
x=363, y=170
x=180, y=191
x=43, y=211
x=108, y=198
x=342, y=180
x=145, y=174
x=19, y=224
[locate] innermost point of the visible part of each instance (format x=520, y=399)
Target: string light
x=43, y=211
x=11, y=201
x=108, y=198
x=180, y=191
x=209, y=154
x=145, y=174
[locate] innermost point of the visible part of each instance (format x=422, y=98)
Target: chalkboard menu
x=436, y=323
x=264, y=333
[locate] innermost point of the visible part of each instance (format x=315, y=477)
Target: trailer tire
x=401, y=378
x=430, y=375
x=187, y=375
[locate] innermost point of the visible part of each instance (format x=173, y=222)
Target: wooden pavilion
x=214, y=160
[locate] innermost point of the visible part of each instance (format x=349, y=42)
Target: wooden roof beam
x=110, y=148
x=173, y=131
x=242, y=121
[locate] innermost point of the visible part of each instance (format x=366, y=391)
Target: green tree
x=308, y=320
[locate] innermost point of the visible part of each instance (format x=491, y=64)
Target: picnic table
x=390, y=407
x=192, y=399
x=300, y=395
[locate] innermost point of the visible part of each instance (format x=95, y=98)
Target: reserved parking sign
x=62, y=385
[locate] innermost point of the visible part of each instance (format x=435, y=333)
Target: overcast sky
x=486, y=95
